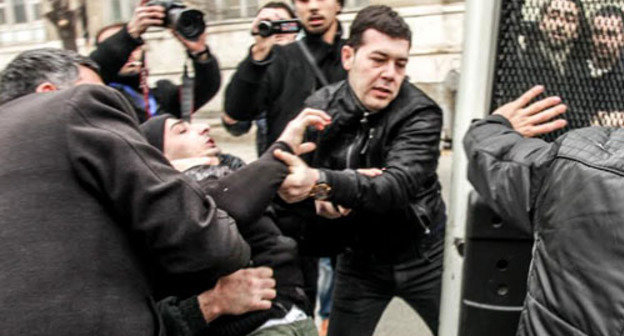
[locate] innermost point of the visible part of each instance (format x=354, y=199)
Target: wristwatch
x=321, y=190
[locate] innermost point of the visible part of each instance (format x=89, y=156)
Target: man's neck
x=330, y=35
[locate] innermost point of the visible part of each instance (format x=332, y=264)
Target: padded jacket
x=569, y=193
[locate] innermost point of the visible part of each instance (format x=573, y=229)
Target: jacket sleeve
x=251, y=86
x=234, y=194
x=505, y=168
x=166, y=213
x=411, y=159
x=181, y=317
x=207, y=80
x=113, y=53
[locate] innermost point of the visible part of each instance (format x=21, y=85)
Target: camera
x=187, y=22
x=268, y=28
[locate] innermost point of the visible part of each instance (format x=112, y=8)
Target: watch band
x=321, y=189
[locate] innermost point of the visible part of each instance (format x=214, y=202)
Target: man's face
x=183, y=140
x=608, y=37
x=377, y=68
x=560, y=23
x=135, y=61
x=317, y=16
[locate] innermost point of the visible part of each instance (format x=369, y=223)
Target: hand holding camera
x=267, y=28
x=188, y=23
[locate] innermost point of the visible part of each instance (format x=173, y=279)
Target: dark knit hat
x=154, y=130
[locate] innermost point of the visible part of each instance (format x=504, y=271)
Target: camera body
x=268, y=28
x=187, y=22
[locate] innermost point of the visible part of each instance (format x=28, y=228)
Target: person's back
x=569, y=193
x=576, y=282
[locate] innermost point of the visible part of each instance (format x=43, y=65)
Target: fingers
x=542, y=105
x=370, y=172
x=317, y=116
x=306, y=147
x=549, y=127
x=344, y=211
x=287, y=158
x=528, y=96
x=326, y=209
x=262, y=272
x=544, y=116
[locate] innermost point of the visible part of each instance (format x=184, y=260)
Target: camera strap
x=308, y=56
x=186, y=95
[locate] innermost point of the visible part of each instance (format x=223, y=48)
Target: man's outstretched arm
x=504, y=166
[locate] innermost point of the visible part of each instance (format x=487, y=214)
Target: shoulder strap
x=308, y=56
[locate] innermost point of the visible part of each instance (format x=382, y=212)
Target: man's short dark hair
x=33, y=67
x=610, y=11
x=279, y=5
x=381, y=18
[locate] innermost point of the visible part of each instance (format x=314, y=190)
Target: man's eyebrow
x=178, y=121
x=386, y=55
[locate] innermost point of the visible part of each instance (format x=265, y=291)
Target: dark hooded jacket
x=569, y=193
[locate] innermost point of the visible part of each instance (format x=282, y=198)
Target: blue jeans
x=364, y=289
x=325, y=287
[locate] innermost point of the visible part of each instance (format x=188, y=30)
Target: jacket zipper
x=363, y=122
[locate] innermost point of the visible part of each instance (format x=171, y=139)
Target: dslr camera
x=268, y=28
x=187, y=22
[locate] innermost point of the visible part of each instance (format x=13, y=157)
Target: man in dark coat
x=86, y=228
x=120, y=55
x=569, y=194
x=390, y=214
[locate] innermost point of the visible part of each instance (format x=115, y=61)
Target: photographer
x=120, y=56
x=271, y=11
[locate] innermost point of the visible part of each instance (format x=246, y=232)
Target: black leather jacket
x=569, y=193
x=392, y=213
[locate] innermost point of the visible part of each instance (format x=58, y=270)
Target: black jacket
x=86, y=204
x=280, y=84
x=257, y=226
x=569, y=193
x=111, y=55
x=398, y=214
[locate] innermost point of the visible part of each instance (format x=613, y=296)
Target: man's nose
x=202, y=128
x=389, y=72
x=313, y=5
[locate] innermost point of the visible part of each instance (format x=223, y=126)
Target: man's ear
x=46, y=87
x=347, y=54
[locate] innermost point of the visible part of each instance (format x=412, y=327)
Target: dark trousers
x=364, y=289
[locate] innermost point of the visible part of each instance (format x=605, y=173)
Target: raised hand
x=535, y=119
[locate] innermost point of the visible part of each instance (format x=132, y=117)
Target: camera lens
x=188, y=22
x=265, y=28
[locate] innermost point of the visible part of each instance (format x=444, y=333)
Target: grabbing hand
x=535, y=119
x=294, y=131
x=328, y=210
x=297, y=185
x=238, y=293
x=145, y=17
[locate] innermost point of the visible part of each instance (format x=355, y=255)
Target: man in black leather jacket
x=377, y=190
x=569, y=194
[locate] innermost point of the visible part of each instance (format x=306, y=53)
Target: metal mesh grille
x=572, y=47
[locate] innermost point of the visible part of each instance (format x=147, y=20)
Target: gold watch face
x=320, y=191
